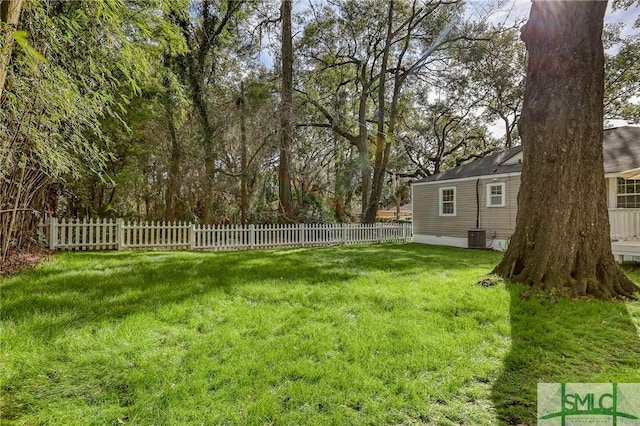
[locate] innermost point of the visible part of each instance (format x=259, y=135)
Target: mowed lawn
x=382, y=334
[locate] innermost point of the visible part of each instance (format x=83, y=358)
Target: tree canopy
x=262, y=111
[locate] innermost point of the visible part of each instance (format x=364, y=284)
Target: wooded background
x=220, y=111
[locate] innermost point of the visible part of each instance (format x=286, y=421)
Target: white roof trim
x=633, y=174
x=482, y=177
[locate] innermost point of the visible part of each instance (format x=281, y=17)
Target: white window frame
x=503, y=191
x=440, y=200
x=630, y=191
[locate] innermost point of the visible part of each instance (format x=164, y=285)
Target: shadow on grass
x=80, y=288
x=570, y=342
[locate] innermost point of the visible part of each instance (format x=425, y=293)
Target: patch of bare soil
x=17, y=262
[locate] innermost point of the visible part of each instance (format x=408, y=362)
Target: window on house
x=447, y=201
x=495, y=194
x=628, y=194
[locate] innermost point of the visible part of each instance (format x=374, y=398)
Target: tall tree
x=172, y=107
x=342, y=44
x=199, y=68
x=286, y=111
x=382, y=143
x=423, y=29
x=561, y=242
x=372, y=54
x=251, y=142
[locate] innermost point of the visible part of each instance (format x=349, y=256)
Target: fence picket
x=89, y=230
x=100, y=234
x=70, y=230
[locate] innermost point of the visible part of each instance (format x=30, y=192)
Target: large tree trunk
x=210, y=158
x=9, y=16
x=561, y=242
x=173, y=179
x=286, y=111
x=244, y=197
x=380, y=165
x=363, y=141
x=192, y=72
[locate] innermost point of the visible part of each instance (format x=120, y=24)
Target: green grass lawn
x=386, y=334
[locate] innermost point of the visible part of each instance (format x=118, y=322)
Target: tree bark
x=173, y=187
x=192, y=72
x=363, y=140
x=381, y=138
x=508, y=129
x=208, y=140
x=244, y=197
x=561, y=242
x=9, y=16
x=286, y=112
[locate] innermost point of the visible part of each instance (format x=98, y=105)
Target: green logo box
x=568, y=404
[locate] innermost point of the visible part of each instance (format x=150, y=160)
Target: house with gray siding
x=475, y=204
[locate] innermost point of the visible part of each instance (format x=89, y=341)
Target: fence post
x=252, y=236
x=344, y=233
x=53, y=233
x=379, y=226
x=301, y=239
x=192, y=237
x=119, y=234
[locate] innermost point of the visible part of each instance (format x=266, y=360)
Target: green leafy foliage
x=79, y=63
x=137, y=104
x=21, y=38
x=86, y=52
x=622, y=71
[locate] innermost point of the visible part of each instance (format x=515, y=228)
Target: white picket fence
x=625, y=224
x=118, y=235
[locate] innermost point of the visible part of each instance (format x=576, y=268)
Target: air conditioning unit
x=477, y=238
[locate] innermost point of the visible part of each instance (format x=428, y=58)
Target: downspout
x=478, y=213
x=478, y=203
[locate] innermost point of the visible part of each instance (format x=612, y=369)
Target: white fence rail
x=625, y=224
x=117, y=235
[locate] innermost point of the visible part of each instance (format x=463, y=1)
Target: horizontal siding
x=426, y=210
x=501, y=220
